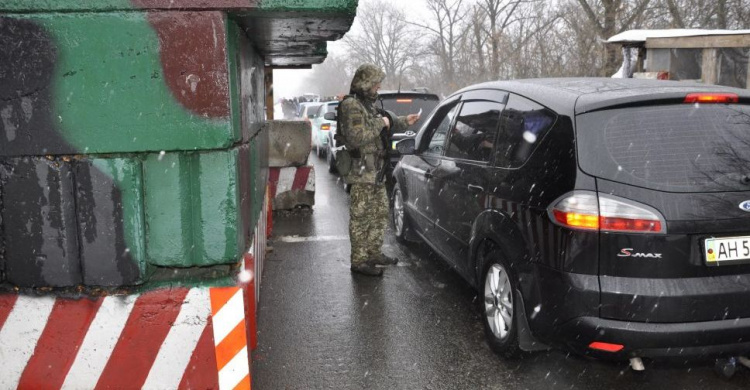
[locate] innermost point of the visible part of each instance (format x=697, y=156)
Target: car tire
x=499, y=306
x=317, y=150
x=398, y=215
x=331, y=162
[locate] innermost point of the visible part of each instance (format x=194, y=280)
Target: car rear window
x=410, y=104
x=523, y=124
x=679, y=148
x=331, y=107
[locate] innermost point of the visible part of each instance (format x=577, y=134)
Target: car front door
x=418, y=168
x=462, y=177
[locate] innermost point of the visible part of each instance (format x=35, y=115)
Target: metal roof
x=633, y=36
x=578, y=95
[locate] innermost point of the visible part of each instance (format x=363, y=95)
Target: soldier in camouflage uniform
x=360, y=125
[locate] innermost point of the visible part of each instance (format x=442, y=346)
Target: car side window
x=523, y=124
x=473, y=136
x=442, y=125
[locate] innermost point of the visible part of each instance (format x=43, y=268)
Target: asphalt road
x=417, y=327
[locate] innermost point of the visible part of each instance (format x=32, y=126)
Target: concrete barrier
x=167, y=338
x=292, y=187
x=289, y=143
x=172, y=338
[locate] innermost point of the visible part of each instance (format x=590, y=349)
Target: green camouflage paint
x=192, y=203
x=110, y=76
x=122, y=5
x=150, y=113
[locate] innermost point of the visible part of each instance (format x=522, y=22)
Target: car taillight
x=716, y=98
x=586, y=210
x=325, y=126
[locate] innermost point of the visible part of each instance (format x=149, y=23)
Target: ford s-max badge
x=745, y=206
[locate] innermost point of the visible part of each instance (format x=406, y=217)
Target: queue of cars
x=609, y=217
x=321, y=127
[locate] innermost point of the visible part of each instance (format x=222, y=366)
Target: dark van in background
x=606, y=216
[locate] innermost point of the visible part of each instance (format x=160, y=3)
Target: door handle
x=472, y=187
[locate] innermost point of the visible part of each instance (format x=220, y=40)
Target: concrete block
x=39, y=223
x=192, y=205
x=114, y=82
x=109, y=196
x=289, y=143
x=4, y=172
x=292, y=187
x=245, y=178
x=247, y=85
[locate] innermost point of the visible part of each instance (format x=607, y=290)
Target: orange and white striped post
x=230, y=338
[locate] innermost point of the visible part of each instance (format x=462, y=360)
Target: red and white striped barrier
x=158, y=340
x=174, y=338
x=292, y=187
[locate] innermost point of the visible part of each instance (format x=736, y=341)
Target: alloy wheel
x=498, y=301
x=398, y=213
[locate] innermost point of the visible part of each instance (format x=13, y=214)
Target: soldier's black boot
x=382, y=259
x=367, y=269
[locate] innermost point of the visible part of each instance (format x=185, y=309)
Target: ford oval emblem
x=745, y=206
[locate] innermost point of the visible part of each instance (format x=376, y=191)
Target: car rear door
x=690, y=165
x=462, y=177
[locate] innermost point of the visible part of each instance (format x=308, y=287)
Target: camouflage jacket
x=360, y=124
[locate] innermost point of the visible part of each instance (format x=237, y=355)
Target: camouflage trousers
x=368, y=218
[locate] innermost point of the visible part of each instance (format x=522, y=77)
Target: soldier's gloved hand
x=387, y=122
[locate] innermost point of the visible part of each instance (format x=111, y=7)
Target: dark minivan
x=608, y=216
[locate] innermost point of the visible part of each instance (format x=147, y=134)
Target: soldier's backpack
x=344, y=155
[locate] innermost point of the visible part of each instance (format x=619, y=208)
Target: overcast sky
x=286, y=82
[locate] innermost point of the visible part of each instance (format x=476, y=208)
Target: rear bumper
x=692, y=339
x=571, y=315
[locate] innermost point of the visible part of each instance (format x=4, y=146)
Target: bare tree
x=721, y=14
x=610, y=17
x=386, y=40
x=500, y=15
x=332, y=77
x=530, y=48
x=479, y=40
x=445, y=30
x=460, y=42
x=740, y=11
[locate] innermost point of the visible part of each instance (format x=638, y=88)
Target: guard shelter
x=708, y=56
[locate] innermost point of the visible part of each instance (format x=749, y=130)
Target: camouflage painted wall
x=131, y=147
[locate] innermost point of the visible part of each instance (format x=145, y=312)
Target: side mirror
x=329, y=116
x=406, y=146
